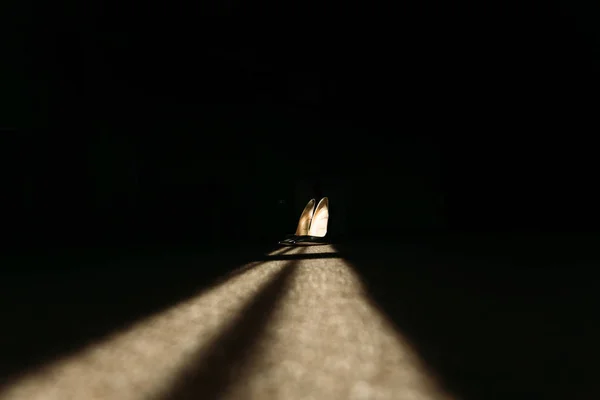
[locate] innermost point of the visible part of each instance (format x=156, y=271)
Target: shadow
x=313, y=256
x=53, y=312
x=269, y=257
x=210, y=373
x=492, y=317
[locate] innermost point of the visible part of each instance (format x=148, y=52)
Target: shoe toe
x=309, y=241
x=288, y=241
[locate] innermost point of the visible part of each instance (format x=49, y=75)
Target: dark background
x=194, y=126
x=177, y=122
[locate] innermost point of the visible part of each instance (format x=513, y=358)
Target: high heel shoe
x=303, y=224
x=318, y=225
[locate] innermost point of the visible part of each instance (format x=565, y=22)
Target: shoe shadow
x=313, y=256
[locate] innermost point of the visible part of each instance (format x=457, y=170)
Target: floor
x=369, y=321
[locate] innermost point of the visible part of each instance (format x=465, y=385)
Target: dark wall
x=111, y=188
x=212, y=122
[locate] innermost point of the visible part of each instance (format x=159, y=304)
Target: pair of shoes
x=312, y=226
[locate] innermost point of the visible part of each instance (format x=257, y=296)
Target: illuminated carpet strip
x=321, y=339
x=327, y=342
x=142, y=361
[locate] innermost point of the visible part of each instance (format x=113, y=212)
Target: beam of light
x=327, y=341
x=144, y=360
x=324, y=340
x=308, y=252
x=320, y=249
x=215, y=367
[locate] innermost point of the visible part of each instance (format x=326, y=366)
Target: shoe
x=303, y=224
x=318, y=226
